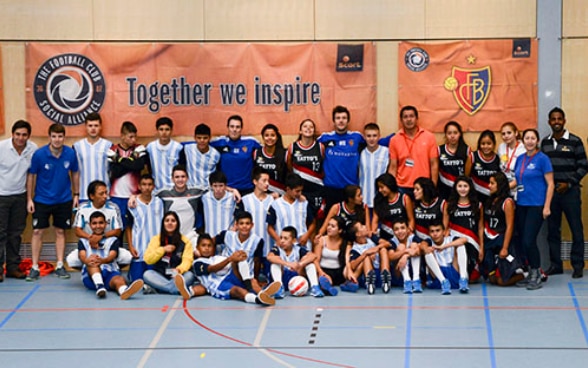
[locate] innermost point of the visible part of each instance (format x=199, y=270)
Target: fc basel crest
x=470, y=87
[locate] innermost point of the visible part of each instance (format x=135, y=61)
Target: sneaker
x=349, y=286
x=407, y=287
x=132, y=289
x=445, y=287
x=184, y=289
x=327, y=287
x=264, y=298
x=370, y=282
x=524, y=282
x=272, y=288
x=534, y=279
x=33, y=275
x=148, y=290
x=543, y=275
x=61, y=273
x=417, y=286
x=386, y=281
x=316, y=292
x=280, y=294
x=100, y=291
x=463, y=285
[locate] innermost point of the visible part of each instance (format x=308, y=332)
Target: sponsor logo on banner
x=68, y=87
x=521, y=48
x=470, y=87
x=349, y=58
x=416, y=59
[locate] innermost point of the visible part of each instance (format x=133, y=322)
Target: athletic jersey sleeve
x=201, y=268
x=271, y=216
x=275, y=250
x=354, y=255
x=302, y=252
x=220, y=238
x=259, y=249
x=81, y=245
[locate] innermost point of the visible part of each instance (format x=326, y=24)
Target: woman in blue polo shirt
x=534, y=178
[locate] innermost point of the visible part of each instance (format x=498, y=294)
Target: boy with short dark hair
x=289, y=259
x=449, y=271
x=219, y=276
x=404, y=251
x=100, y=271
x=290, y=210
x=127, y=160
x=163, y=154
x=218, y=205
x=144, y=221
x=199, y=157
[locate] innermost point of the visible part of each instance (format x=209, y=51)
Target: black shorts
x=61, y=214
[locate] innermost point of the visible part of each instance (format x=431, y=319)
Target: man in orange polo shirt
x=413, y=152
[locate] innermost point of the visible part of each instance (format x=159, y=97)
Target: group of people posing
x=233, y=218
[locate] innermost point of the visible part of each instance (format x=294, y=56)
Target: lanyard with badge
x=510, y=157
x=409, y=161
x=521, y=187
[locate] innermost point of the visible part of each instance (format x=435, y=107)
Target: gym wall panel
x=258, y=20
x=463, y=19
x=13, y=61
x=574, y=77
x=575, y=18
x=46, y=20
x=370, y=20
x=387, y=80
x=140, y=20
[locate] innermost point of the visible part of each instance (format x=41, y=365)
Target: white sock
x=276, y=272
x=35, y=267
x=462, y=261
x=97, y=278
x=405, y=273
x=244, y=270
x=311, y=274
x=59, y=264
x=415, y=262
x=250, y=298
x=122, y=289
x=434, y=266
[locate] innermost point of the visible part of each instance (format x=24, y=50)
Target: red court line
x=187, y=312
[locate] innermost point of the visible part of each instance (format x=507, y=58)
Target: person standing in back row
x=413, y=152
x=568, y=159
x=15, y=158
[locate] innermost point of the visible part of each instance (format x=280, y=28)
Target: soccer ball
x=298, y=286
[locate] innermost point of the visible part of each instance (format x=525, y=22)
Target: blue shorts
x=223, y=290
x=137, y=269
x=287, y=275
x=450, y=274
x=106, y=276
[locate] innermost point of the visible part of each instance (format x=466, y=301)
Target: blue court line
x=22, y=302
x=489, y=327
x=408, y=333
x=578, y=311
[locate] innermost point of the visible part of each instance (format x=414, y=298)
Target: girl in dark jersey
x=390, y=205
x=428, y=206
x=499, y=214
x=463, y=216
x=305, y=158
x=351, y=209
x=452, y=158
x=272, y=158
x=483, y=163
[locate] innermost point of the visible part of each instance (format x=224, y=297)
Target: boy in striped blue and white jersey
x=163, y=154
x=257, y=204
x=373, y=162
x=243, y=239
x=144, y=222
x=98, y=194
x=218, y=205
x=199, y=158
x=91, y=154
x=221, y=279
x=289, y=210
x=100, y=271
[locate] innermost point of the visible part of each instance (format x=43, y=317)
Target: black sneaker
x=61, y=273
